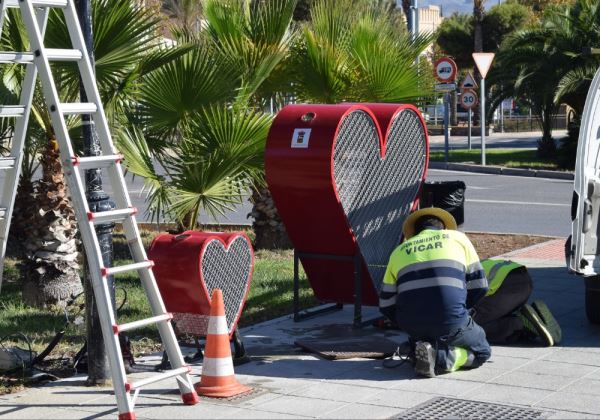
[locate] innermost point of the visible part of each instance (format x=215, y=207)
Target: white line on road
x=518, y=203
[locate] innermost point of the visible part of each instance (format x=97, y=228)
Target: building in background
x=430, y=18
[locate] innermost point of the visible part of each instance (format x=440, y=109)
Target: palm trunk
x=22, y=215
x=267, y=225
x=546, y=146
x=51, y=269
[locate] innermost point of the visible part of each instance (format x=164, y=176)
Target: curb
x=500, y=170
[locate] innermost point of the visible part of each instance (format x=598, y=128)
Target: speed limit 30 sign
x=445, y=70
x=468, y=98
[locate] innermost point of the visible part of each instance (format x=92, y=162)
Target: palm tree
x=124, y=33
x=359, y=56
x=478, y=12
x=187, y=13
x=201, y=142
x=363, y=56
x=546, y=65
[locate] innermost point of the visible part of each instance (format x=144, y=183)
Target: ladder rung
x=141, y=323
x=38, y=3
x=78, y=108
x=112, y=215
x=54, y=54
x=2, y=213
x=130, y=386
x=109, y=271
x=94, y=162
x=16, y=57
x=59, y=54
x=12, y=111
x=7, y=162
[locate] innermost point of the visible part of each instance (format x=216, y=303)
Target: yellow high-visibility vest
x=496, y=271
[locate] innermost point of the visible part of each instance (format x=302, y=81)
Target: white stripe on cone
x=217, y=366
x=217, y=325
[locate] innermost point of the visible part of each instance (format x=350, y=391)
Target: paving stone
x=505, y=394
x=43, y=411
x=202, y=410
x=260, y=414
x=439, y=386
x=589, y=386
x=396, y=398
x=560, y=415
x=310, y=407
x=530, y=380
x=501, y=362
x=522, y=351
x=372, y=374
x=568, y=370
x=278, y=386
x=572, y=402
x=482, y=374
x=361, y=411
x=579, y=357
x=336, y=392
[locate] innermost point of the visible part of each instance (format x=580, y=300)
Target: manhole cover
x=452, y=408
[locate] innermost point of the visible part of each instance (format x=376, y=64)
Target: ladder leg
x=11, y=182
x=87, y=219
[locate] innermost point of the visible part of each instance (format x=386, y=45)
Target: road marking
x=518, y=203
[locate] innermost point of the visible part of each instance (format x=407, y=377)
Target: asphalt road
x=513, y=204
x=493, y=203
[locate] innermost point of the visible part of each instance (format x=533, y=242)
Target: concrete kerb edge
x=500, y=170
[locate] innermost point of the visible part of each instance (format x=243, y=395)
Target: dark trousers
x=496, y=313
x=470, y=337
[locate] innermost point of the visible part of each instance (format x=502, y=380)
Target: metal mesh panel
x=452, y=408
x=228, y=270
x=376, y=193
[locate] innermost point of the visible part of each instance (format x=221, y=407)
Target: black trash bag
x=447, y=195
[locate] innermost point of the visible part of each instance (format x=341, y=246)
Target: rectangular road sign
x=445, y=86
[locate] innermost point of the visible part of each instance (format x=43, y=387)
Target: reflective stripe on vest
x=496, y=271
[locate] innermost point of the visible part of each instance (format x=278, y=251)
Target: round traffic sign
x=468, y=98
x=445, y=70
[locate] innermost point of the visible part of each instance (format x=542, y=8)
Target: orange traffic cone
x=218, y=378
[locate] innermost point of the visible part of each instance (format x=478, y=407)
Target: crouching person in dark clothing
x=431, y=280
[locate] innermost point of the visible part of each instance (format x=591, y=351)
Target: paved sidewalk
x=558, y=382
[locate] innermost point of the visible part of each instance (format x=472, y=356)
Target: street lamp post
x=98, y=200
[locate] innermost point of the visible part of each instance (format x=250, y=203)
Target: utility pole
x=446, y=124
x=98, y=200
x=414, y=19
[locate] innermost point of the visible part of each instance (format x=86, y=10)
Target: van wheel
x=592, y=299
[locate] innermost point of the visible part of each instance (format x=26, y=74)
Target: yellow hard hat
x=408, y=229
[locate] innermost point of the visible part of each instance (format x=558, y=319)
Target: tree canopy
x=456, y=33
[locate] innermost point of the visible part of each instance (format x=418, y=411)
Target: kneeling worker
x=430, y=281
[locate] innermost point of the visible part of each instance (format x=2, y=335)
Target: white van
x=583, y=247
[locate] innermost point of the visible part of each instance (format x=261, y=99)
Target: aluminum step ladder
x=35, y=16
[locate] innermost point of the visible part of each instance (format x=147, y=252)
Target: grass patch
x=510, y=158
x=270, y=296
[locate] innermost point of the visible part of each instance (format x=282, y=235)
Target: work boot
x=534, y=324
x=551, y=324
x=425, y=359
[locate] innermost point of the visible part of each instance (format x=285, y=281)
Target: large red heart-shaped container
x=343, y=178
x=189, y=266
